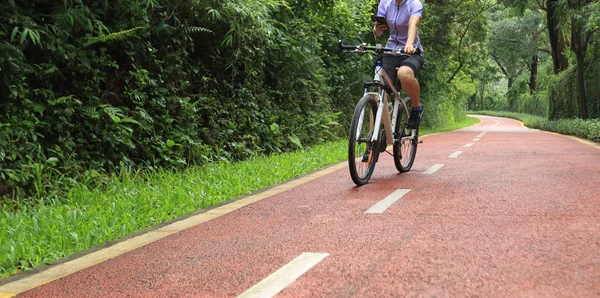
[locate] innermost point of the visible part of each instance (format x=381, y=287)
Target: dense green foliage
x=520, y=44
x=564, y=93
x=91, y=86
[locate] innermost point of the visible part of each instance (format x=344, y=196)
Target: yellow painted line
x=580, y=140
x=475, y=116
x=57, y=271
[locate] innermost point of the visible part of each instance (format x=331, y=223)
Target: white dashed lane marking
x=285, y=276
x=382, y=205
x=468, y=145
x=433, y=169
x=455, y=154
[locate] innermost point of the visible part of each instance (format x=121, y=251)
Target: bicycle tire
x=405, y=147
x=362, y=153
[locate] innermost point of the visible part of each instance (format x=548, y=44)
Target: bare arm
x=413, y=24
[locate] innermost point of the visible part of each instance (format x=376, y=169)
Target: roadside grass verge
x=586, y=129
x=90, y=216
x=468, y=121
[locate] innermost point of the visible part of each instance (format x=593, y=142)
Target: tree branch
x=542, y=5
x=500, y=65
x=460, y=65
x=460, y=60
x=547, y=51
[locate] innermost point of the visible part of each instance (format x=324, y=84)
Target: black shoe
x=415, y=119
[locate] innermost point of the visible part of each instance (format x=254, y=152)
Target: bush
x=562, y=92
x=587, y=129
x=92, y=88
x=534, y=104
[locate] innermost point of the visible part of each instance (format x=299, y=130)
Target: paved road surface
x=494, y=210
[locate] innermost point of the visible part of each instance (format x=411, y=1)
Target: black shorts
x=391, y=63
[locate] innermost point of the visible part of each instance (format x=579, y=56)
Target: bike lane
x=492, y=210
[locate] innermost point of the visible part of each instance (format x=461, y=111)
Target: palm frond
x=117, y=36
x=195, y=29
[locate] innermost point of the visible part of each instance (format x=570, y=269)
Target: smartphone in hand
x=379, y=20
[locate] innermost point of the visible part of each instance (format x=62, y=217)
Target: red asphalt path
x=516, y=214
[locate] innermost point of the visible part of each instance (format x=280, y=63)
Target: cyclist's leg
x=410, y=85
x=409, y=68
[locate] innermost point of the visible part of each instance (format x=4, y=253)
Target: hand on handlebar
x=409, y=49
x=364, y=48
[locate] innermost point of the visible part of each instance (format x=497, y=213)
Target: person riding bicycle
x=404, y=17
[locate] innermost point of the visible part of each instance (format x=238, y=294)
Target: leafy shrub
x=534, y=104
x=587, y=129
x=95, y=87
x=562, y=93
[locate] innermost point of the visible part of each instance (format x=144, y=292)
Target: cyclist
x=404, y=17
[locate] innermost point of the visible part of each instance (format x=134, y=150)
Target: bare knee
x=405, y=74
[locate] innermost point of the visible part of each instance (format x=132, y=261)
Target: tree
x=514, y=43
x=580, y=39
x=485, y=71
x=557, y=40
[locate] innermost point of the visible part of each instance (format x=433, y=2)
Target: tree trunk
x=473, y=101
x=512, y=96
x=533, y=76
x=557, y=40
x=482, y=95
x=581, y=86
x=579, y=44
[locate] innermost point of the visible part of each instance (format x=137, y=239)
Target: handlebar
x=363, y=48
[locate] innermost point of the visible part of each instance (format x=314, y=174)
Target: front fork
x=384, y=113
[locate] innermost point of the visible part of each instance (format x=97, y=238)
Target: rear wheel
x=362, y=152
x=405, y=143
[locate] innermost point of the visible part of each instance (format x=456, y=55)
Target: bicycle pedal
x=420, y=142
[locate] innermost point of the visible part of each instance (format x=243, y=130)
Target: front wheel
x=405, y=146
x=362, y=152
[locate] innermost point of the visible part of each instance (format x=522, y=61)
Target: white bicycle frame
x=383, y=109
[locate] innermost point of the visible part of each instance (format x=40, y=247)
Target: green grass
x=525, y=118
x=468, y=121
x=587, y=129
x=88, y=217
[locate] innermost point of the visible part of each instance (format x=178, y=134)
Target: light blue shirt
x=397, y=17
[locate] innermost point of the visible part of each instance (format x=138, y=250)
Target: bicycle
x=367, y=139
